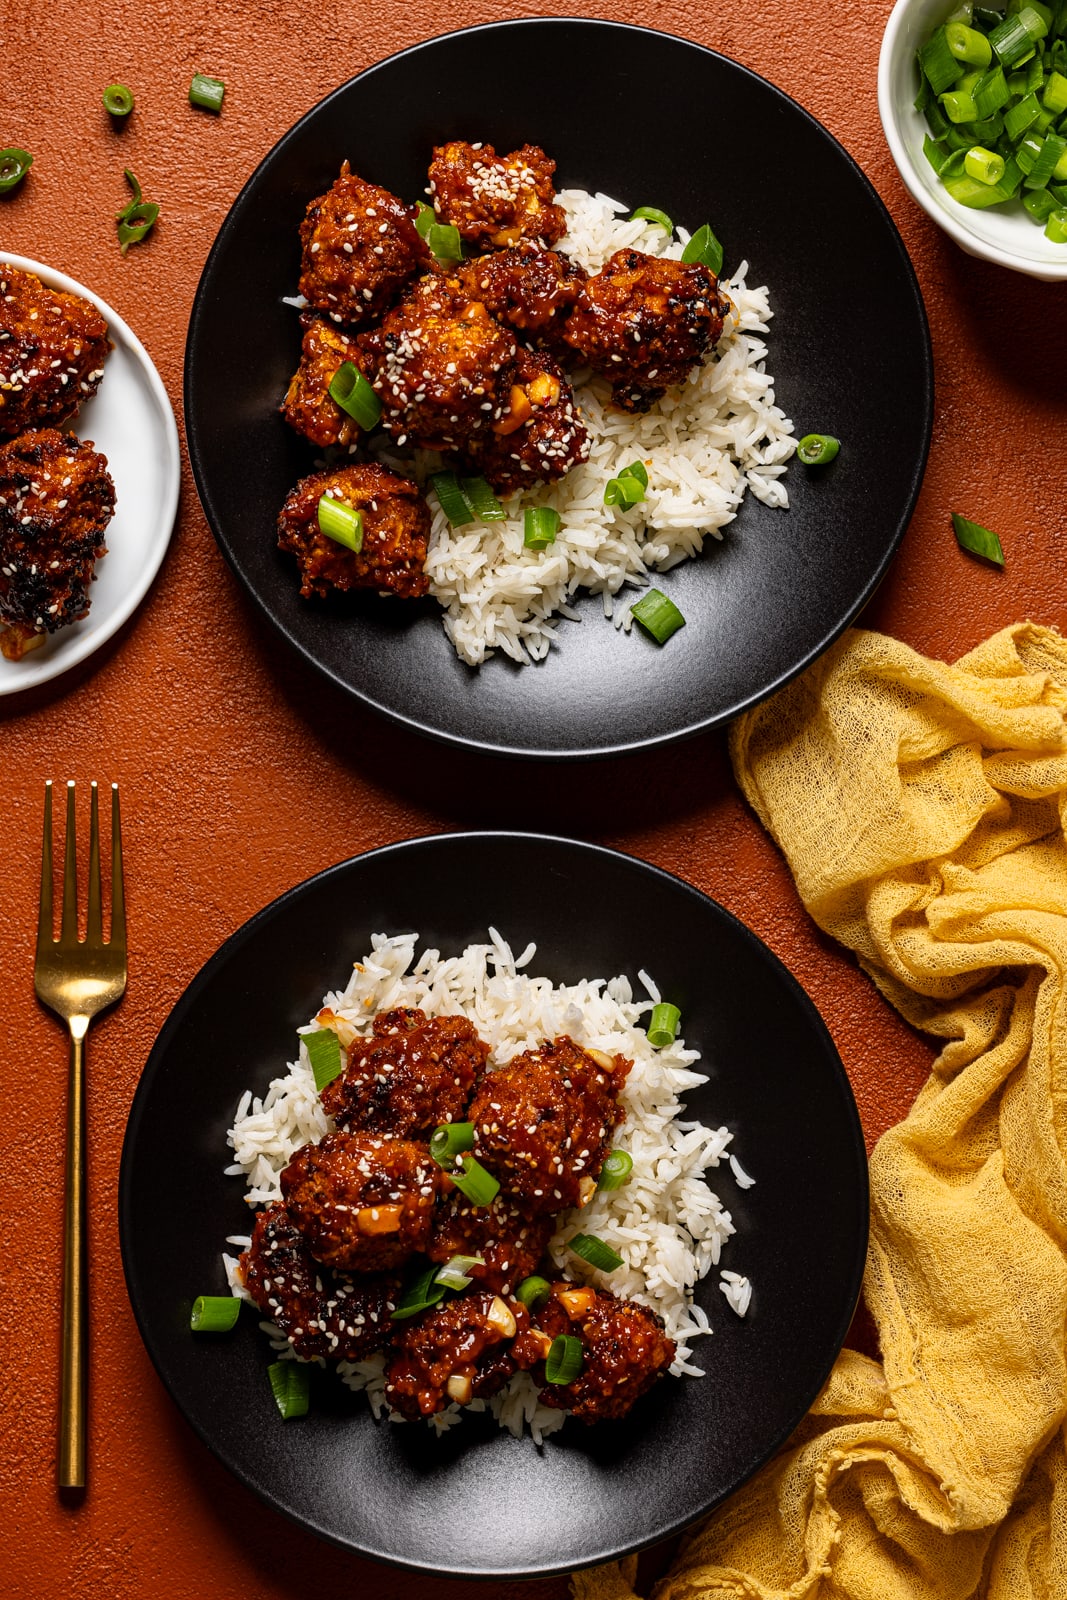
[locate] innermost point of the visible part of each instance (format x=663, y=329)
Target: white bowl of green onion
x=973, y=101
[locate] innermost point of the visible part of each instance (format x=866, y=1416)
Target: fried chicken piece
x=543, y=1122
x=52, y=352
x=540, y=437
x=56, y=500
x=645, y=322
x=362, y=1204
x=624, y=1350
x=441, y=366
x=460, y=1350
x=396, y=526
x=496, y=200
x=529, y=289
x=308, y=406
x=510, y=1243
x=321, y=1312
x=412, y=1073
x=360, y=247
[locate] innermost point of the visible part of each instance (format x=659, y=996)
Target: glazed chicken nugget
x=540, y=437
x=308, y=406
x=396, y=527
x=360, y=248
x=52, y=352
x=496, y=200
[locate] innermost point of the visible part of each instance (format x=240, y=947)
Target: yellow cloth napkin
x=921, y=809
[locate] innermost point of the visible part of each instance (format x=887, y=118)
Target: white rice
x=665, y=1222
x=704, y=445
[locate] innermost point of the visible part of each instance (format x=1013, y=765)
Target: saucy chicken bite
x=396, y=527
x=360, y=248
x=53, y=347
x=496, y=200
x=362, y=1203
x=540, y=436
x=308, y=405
x=56, y=500
x=409, y=1074
x=530, y=289
x=509, y=1242
x=321, y=1312
x=460, y=1350
x=624, y=1350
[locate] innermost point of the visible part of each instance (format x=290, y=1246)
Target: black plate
x=478, y=1502
x=650, y=119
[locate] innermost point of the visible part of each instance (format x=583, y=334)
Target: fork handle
x=73, y=1368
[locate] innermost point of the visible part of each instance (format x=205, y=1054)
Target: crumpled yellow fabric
x=921, y=809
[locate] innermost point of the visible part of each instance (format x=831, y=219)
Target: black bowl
x=650, y=119
x=478, y=1502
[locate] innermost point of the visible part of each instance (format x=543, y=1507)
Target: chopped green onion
x=454, y=1274
x=450, y=1140
x=118, y=100
x=618, y=1164
x=422, y=1292
x=1059, y=171
x=14, y=165
x=482, y=501
x=1040, y=204
x=663, y=1025
x=1012, y=40
x=540, y=526
x=354, y=394
x=137, y=219
x=450, y=497
x=533, y=1292
x=936, y=120
x=658, y=615
x=472, y=1180
x=985, y=165
x=341, y=523
x=595, y=1251
x=629, y=487
x=1045, y=12
x=651, y=214
x=1054, y=95
x=980, y=541
x=1051, y=153
x=445, y=243
x=991, y=92
x=939, y=65
x=1056, y=226
x=214, y=1313
x=816, y=449
x=290, y=1383
x=1019, y=117
x=968, y=45
x=425, y=217
x=704, y=247
x=324, y=1053
x=206, y=93
x=935, y=152
x=564, y=1359
x=959, y=106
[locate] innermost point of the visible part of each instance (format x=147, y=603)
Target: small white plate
x=131, y=422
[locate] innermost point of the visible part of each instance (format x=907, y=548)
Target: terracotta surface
x=215, y=736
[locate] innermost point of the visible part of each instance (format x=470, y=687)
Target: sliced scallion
x=206, y=93
x=985, y=165
x=341, y=523
x=14, y=165
x=968, y=45
x=214, y=1313
x=978, y=540
x=472, y=1180
x=540, y=526
x=629, y=487
x=1056, y=226
x=663, y=1025
x=652, y=214
x=354, y=394
x=816, y=449
x=533, y=1292
x=135, y=221
x=958, y=106
x=564, y=1361
x=425, y=218
x=118, y=100
x=324, y=1053
x=658, y=615
x=939, y=65
x=445, y=243
x=455, y=1275
x=595, y=1251
x=618, y=1164
x=450, y=497
x=422, y=1292
x=482, y=501
x=450, y=1140
x=290, y=1383
x=704, y=247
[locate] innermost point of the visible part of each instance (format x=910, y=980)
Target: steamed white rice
x=666, y=1223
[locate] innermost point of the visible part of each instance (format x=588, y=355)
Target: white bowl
x=1004, y=234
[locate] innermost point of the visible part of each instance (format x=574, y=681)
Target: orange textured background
x=212, y=732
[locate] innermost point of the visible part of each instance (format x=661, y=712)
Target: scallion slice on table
x=595, y=1251
x=652, y=214
x=658, y=615
x=450, y=497
x=324, y=1053
x=629, y=487
x=455, y=1275
x=118, y=100
x=663, y=1025
x=472, y=1180
x=450, y=1140
x=816, y=449
x=564, y=1361
x=978, y=540
x=14, y=165
x=206, y=93
x=704, y=247
x=533, y=1292
x=540, y=526
x=135, y=221
x=214, y=1313
x=341, y=523
x=421, y=1293
x=354, y=394
x=618, y=1164
x=290, y=1383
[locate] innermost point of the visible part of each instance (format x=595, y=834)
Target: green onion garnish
x=663, y=1025
x=595, y=1251
x=939, y=65
x=450, y=1140
x=425, y=218
x=118, y=100
x=450, y=497
x=1056, y=226
x=290, y=1383
x=980, y=541
x=985, y=165
x=482, y=501
x=454, y=1273
x=206, y=93
x=1054, y=96
x=816, y=449
x=421, y=1293
x=652, y=214
x=564, y=1359
x=658, y=615
x=14, y=165
x=533, y=1292
x=472, y=1180
x=968, y=45
x=445, y=243
x=540, y=526
x=704, y=246
x=324, y=1053
x=355, y=395
x=629, y=487
x=137, y=219
x=341, y=523
x=618, y=1164
x=214, y=1313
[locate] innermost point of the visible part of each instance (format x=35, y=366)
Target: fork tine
x=45, y=935
x=118, y=902
x=94, y=926
x=68, y=926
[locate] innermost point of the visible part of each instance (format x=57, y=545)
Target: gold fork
x=77, y=978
